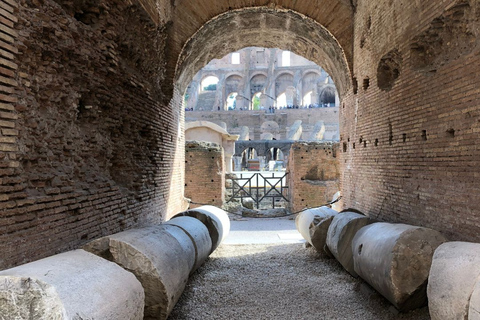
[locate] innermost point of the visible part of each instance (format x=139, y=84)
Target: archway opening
x=231, y=101
x=282, y=100
x=298, y=35
x=209, y=84
x=256, y=102
x=307, y=99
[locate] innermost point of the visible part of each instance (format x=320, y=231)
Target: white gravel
x=280, y=281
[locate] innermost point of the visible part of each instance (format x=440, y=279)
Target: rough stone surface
x=215, y=219
x=410, y=154
x=87, y=135
x=186, y=241
x=199, y=235
x=454, y=274
x=71, y=285
x=251, y=124
x=313, y=225
x=281, y=28
x=90, y=146
x=204, y=173
x=340, y=234
x=395, y=259
x=474, y=306
x=313, y=174
x=158, y=261
x=295, y=131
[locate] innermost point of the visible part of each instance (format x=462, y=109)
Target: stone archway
x=283, y=28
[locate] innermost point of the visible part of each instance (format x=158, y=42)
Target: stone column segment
x=198, y=234
x=156, y=258
x=474, y=306
x=395, y=259
x=453, y=283
x=215, y=219
x=71, y=285
x=340, y=235
x=313, y=225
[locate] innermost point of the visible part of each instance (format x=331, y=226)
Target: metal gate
x=257, y=186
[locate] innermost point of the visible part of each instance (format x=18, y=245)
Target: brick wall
x=409, y=138
x=88, y=141
x=204, y=173
x=313, y=174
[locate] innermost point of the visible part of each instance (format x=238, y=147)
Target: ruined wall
x=87, y=138
x=313, y=174
x=255, y=119
x=409, y=139
x=204, y=173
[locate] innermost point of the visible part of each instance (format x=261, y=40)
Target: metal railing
x=258, y=186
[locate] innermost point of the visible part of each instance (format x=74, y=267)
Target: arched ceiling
x=213, y=28
x=287, y=24
x=263, y=27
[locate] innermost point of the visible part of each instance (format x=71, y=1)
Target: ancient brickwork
x=313, y=174
x=204, y=173
x=88, y=140
x=409, y=136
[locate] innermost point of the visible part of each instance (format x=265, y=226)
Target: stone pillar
x=340, y=236
x=313, y=225
x=238, y=163
x=70, y=285
x=295, y=131
x=454, y=280
x=240, y=104
x=156, y=258
x=244, y=133
x=215, y=219
x=395, y=259
x=261, y=159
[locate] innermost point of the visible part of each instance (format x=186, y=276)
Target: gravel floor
x=272, y=281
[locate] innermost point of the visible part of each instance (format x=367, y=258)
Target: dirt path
x=282, y=282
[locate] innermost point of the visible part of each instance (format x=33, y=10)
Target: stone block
x=453, y=281
x=156, y=258
x=215, y=219
x=340, y=234
x=395, y=259
x=71, y=285
x=199, y=236
x=313, y=225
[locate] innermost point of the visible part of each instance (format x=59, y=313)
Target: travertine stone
x=186, y=242
x=71, y=285
x=395, y=259
x=198, y=234
x=340, y=235
x=159, y=262
x=452, y=282
x=215, y=219
x=313, y=226
x=474, y=306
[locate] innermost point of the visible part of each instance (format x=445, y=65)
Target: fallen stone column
x=313, y=226
x=215, y=219
x=156, y=258
x=71, y=285
x=340, y=234
x=474, y=306
x=395, y=259
x=453, y=283
x=198, y=233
